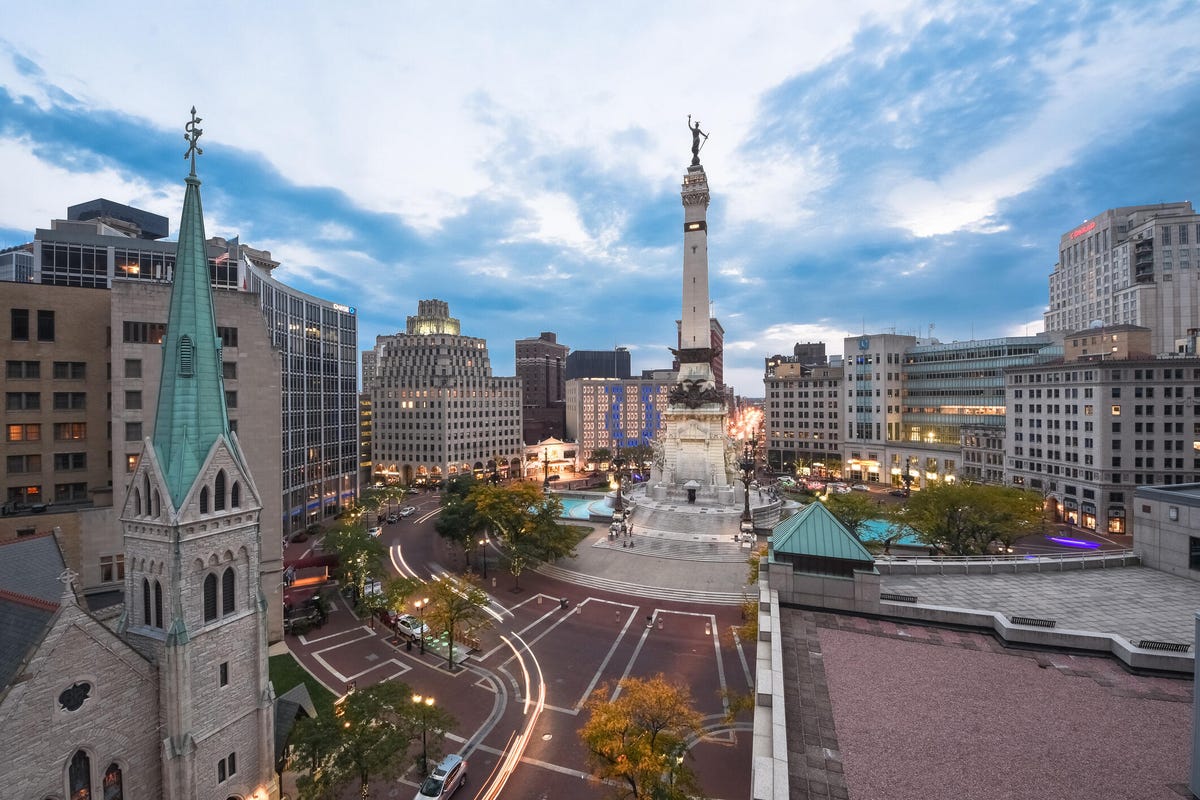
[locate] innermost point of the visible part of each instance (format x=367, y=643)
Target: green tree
x=368, y=736
x=639, y=739
x=852, y=510
x=359, y=554
x=966, y=519
x=600, y=455
x=459, y=520
x=527, y=519
x=458, y=609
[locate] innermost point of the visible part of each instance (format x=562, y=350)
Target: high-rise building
x=801, y=414
x=613, y=413
x=541, y=366
x=437, y=411
x=1085, y=430
x=1135, y=265
x=598, y=364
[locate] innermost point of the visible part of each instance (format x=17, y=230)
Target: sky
x=874, y=165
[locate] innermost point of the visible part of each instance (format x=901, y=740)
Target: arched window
x=204, y=500
x=114, y=788
x=146, y=618
x=210, y=597
x=219, y=492
x=235, y=495
x=137, y=501
x=79, y=776
x=146, y=491
x=158, y=614
x=227, y=591
x=156, y=510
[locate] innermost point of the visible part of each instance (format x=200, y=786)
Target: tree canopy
x=456, y=608
x=368, y=736
x=639, y=739
x=360, y=555
x=852, y=510
x=967, y=519
x=459, y=520
x=527, y=519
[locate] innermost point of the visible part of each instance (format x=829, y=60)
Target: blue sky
x=874, y=165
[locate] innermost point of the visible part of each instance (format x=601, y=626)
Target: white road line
x=720, y=664
x=604, y=664
x=737, y=645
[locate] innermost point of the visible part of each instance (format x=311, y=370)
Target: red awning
x=323, y=560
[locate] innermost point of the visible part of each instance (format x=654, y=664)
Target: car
x=860, y=487
x=410, y=626
x=899, y=492
x=407, y=511
x=445, y=779
x=786, y=481
x=375, y=531
x=393, y=517
x=838, y=488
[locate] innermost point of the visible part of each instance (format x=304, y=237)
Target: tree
x=360, y=555
x=458, y=608
x=640, y=456
x=527, y=519
x=639, y=739
x=368, y=736
x=852, y=510
x=600, y=455
x=459, y=519
x=966, y=519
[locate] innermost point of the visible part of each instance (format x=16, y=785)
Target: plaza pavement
x=1133, y=602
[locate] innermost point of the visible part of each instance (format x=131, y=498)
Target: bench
x=1171, y=647
x=898, y=598
x=1036, y=622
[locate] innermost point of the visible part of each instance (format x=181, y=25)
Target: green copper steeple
x=191, y=396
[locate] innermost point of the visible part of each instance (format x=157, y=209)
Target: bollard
x=660, y=623
x=493, y=583
x=618, y=614
x=539, y=599
x=649, y=620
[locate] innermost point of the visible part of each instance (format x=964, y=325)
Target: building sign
x=1082, y=229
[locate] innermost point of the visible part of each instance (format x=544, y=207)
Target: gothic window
x=113, y=785
x=155, y=511
x=227, y=591
x=137, y=502
x=158, y=605
x=185, y=357
x=146, y=489
x=204, y=500
x=147, y=620
x=219, y=492
x=210, y=597
x=72, y=698
x=235, y=495
x=79, y=776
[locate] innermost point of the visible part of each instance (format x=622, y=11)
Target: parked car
x=407, y=511
x=899, y=492
x=860, y=487
x=410, y=626
x=784, y=480
x=375, y=531
x=392, y=518
x=445, y=779
x=839, y=488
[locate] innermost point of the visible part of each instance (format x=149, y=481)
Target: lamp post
x=618, y=463
x=483, y=543
x=423, y=703
x=746, y=465
x=545, y=468
x=420, y=604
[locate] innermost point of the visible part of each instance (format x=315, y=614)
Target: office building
x=598, y=364
x=16, y=263
x=612, y=413
x=541, y=366
x=1135, y=265
x=437, y=410
x=1087, y=429
x=801, y=416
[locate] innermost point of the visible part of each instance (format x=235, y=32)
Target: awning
x=323, y=560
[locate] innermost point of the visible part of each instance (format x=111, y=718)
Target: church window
x=204, y=500
x=210, y=597
x=158, y=605
x=155, y=511
x=73, y=697
x=146, y=489
x=185, y=357
x=227, y=768
x=224, y=673
x=219, y=492
x=79, y=776
x=137, y=502
x=113, y=785
x=235, y=495
x=146, y=618
x=227, y=598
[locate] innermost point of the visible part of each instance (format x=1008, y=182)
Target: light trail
x=515, y=750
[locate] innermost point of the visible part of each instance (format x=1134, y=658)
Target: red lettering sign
x=1082, y=229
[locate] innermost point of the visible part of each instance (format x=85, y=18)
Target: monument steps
x=672, y=547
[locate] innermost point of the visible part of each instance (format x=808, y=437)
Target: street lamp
x=483, y=543
x=545, y=468
x=420, y=604
x=746, y=465
x=423, y=703
x=618, y=463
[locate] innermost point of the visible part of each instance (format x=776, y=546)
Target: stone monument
x=694, y=458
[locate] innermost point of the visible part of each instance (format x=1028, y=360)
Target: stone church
x=172, y=699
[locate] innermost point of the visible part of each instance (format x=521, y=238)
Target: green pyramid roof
x=815, y=531
x=191, y=396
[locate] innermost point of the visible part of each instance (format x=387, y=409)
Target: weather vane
x=193, y=134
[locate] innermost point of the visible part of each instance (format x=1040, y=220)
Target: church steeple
x=191, y=412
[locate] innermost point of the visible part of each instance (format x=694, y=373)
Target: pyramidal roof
x=191, y=396
x=815, y=531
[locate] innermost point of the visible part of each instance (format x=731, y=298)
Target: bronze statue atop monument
x=696, y=143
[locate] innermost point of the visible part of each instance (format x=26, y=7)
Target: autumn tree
x=458, y=608
x=527, y=519
x=368, y=736
x=359, y=554
x=639, y=738
x=966, y=519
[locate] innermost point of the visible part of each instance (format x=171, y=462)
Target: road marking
x=737, y=645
